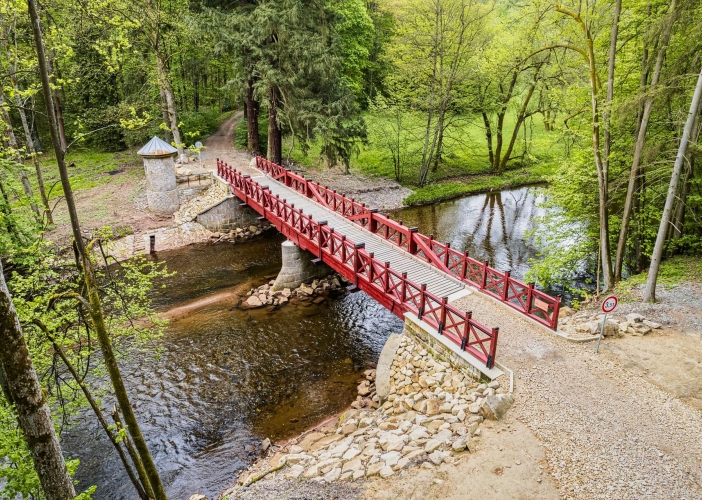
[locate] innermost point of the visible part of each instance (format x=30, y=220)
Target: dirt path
x=608, y=432
x=221, y=145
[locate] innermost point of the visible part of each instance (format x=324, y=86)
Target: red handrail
x=389, y=287
x=520, y=296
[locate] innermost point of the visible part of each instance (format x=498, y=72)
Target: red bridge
x=402, y=269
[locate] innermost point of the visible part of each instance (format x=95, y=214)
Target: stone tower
x=161, y=188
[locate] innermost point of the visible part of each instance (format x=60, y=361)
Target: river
x=222, y=379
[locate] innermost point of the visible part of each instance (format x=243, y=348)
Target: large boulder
x=494, y=407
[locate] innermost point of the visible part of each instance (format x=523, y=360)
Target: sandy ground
x=612, y=424
x=509, y=463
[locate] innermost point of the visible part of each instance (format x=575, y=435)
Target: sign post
x=198, y=145
x=608, y=305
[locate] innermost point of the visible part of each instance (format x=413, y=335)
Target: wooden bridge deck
x=438, y=282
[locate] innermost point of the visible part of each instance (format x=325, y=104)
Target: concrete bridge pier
x=298, y=267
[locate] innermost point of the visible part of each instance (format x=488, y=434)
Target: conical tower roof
x=157, y=147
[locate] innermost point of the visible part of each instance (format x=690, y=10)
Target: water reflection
x=490, y=226
x=225, y=378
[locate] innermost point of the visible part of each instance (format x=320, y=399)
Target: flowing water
x=225, y=378
x=222, y=379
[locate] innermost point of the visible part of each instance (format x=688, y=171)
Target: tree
x=649, y=294
x=642, y=127
x=585, y=30
x=433, y=50
x=85, y=262
x=32, y=409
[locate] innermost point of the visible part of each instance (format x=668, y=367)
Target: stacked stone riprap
x=588, y=323
x=240, y=233
x=432, y=416
x=316, y=292
x=217, y=192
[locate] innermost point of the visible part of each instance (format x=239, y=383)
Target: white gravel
x=607, y=432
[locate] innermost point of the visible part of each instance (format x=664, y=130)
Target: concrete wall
x=298, y=267
x=227, y=215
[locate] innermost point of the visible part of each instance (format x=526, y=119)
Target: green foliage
x=16, y=468
x=17, y=474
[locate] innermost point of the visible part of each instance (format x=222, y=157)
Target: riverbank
x=433, y=420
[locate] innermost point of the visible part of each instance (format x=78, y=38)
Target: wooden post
x=321, y=225
x=446, y=253
x=442, y=314
x=530, y=297
x=386, y=278
x=370, y=268
x=422, y=300
x=372, y=221
x=493, y=348
x=411, y=243
x=483, y=282
x=505, y=286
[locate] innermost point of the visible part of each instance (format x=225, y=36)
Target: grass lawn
x=464, y=169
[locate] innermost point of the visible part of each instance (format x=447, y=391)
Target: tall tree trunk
x=58, y=108
x=275, y=137
x=12, y=140
x=521, y=116
x=649, y=294
x=640, y=142
x=164, y=115
x=164, y=83
x=33, y=411
x=252, y=137
x=682, y=202
x=88, y=271
x=602, y=168
x=488, y=137
x=25, y=124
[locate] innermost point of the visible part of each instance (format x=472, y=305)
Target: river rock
x=494, y=407
x=197, y=496
x=652, y=324
x=634, y=318
x=254, y=301
x=374, y=469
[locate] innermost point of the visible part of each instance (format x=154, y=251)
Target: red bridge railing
x=389, y=287
x=520, y=296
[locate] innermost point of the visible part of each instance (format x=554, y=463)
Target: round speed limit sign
x=609, y=304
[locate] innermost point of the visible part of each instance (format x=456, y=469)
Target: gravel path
x=607, y=432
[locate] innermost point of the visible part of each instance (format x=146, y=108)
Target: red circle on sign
x=609, y=304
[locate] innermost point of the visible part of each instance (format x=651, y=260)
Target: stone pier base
x=298, y=268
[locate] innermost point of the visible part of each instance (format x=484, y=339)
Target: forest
x=599, y=100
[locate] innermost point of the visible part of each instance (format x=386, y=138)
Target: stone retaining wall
x=227, y=215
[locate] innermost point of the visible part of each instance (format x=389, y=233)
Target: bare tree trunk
x=275, y=137
x=95, y=308
x=33, y=411
x=639, y=145
x=164, y=83
x=520, y=120
x=164, y=115
x=682, y=202
x=25, y=124
x=649, y=294
x=488, y=137
x=12, y=140
x=602, y=168
x=58, y=108
x=252, y=137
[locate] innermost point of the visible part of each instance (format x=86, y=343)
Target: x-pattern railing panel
x=377, y=278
